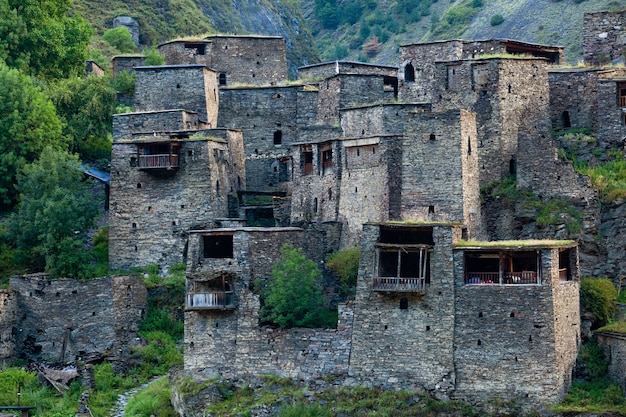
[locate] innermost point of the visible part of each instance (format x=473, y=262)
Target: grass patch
x=608, y=179
x=154, y=400
x=598, y=295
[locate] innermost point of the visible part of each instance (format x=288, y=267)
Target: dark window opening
x=394, y=235
x=469, y=146
x=218, y=246
x=315, y=205
x=409, y=73
x=222, y=79
x=278, y=137
x=566, y=121
x=138, y=185
x=432, y=136
x=500, y=267
x=327, y=161
x=404, y=304
x=199, y=47
x=431, y=209
x=622, y=94
x=307, y=159
x=512, y=166
x=565, y=272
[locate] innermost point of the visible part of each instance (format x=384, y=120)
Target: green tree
x=56, y=208
x=293, y=295
x=120, y=38
x=86, y=106
x=345, y=263
x=28, y=124
x=153, y=57
x=42, y=39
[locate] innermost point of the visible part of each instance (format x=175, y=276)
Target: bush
x=598, y=295
x=120, y=38
x=345, y=264
x=124, y=82
x=153, y=57
x=293, y=295
x=496, y=19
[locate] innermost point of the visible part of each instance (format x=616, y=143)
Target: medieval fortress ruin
x=224, y=160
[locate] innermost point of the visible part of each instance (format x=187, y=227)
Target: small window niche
x=278, y=137
x=218, y=246
x=222, y=79
x=409, y=73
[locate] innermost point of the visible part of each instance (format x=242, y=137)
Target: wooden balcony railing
x=393, y=284
x=160, y=161
x=210, y=300
x=508, y=278
x=622, y=101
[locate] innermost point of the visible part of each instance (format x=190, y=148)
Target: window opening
x=278, y=137
x=566, y=120
x=404, y=304
x=512, y=166
x=218, y=246
x=431, y=209
x=222, y=79
x=315, y=205
x=307, y=158
x=502, y=267
x=432, y=136
x=565, y=272
x=622, y=94
x=409, y=73
x=469, y=146
x=327, y=161
x=200, y=48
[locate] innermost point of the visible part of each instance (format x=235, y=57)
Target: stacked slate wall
x=151, y=211
x=603, y=36
x=188, y=87
x=64, y=320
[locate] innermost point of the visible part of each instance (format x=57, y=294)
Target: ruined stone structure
x=614, y=345
x=104, y=320
x=603, y=37
x=403, y=151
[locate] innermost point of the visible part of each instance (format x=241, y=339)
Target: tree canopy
x=56, y=208
x=293, y=296
x=28, y=124
x=42, y=39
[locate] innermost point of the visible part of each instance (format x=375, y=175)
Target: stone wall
x=231, y=341
x=64, y=320
x=127, y=125
x=251, y=60
x=152, y=210
x=8, y=324
x=603, y=36
x=188, y=87
x=329, y=69
x=611, y=119
x=126, y=63
x=614, y=345
x=411, y=348
x=267, y=117
x=574, y=98
x=516, y=342
x=440, y=168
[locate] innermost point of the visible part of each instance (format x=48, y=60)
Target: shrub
x=120, y=38
x=598, y=295
x=153, y=57
x=496, y=19
x=293, y=295
x=124, y=82
x=345, y=264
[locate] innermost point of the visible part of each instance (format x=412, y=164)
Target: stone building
x=330, y=155
x=104, y=320
x=603, y=37
x=248, y=60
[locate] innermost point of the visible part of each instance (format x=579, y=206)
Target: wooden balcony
x=393, y=284
x=508, y=278
x=622, y=101
x=219, y=300
x=158, y=161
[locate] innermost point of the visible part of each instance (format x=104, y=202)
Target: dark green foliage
x=345, y=264
x=293, y=295
x=124, y=82
x=496, y=19
x=56, y=208
x=598, y=295
x=42, y=39
x=456, y=20
x=86, y=106
x=153, y=57
x=120, y=38
x=28, y=123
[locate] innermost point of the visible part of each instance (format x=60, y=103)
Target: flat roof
x=171, y=66
x=514, y=244
x=328, y=63
x=502, y=40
